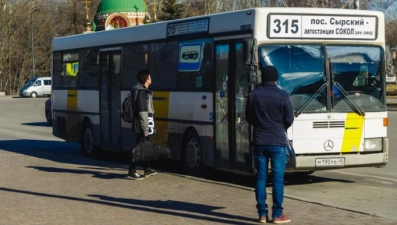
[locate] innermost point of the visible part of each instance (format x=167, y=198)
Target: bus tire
x=33, y=95
x=87, y=140
x=193, y=154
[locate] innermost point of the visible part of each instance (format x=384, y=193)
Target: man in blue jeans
x=269, y=111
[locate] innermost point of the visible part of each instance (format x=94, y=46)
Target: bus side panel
x=188, y=110
x=70, y=107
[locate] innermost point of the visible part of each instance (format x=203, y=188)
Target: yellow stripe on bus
x=161, y=104
x=72, y=100
x=353, y=133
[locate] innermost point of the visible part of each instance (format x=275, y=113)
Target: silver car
x=35, y=87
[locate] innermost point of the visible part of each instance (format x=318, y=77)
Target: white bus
x=332, y=63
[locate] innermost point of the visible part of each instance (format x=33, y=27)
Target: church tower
x=114, y=14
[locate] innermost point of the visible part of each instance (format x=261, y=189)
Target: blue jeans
x=277, y=157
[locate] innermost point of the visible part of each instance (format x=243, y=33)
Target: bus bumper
x=350, y=160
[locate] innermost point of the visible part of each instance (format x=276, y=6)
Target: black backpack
x=129, y=107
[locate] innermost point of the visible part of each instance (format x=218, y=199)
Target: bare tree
x=28, y=27
x=4, y=42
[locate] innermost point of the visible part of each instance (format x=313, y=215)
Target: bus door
x=232, y=150
x=109, y=97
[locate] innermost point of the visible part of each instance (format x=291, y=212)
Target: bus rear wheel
x=87, y=140
x=193, y=155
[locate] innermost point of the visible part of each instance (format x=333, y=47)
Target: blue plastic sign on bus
x=190, y=56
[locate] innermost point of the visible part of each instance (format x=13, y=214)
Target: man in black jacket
x=269, y=111
x=143, y=123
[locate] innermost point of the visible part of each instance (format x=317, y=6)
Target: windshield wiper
x=352, y=104
x=300, y=110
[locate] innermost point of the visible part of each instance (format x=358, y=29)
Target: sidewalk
x=391, y=103
x=47, y=187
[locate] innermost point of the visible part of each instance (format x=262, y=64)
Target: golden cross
x=86, y=2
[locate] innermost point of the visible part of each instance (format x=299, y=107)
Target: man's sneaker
x=263, y=219
x=135, y=176
x=150, y=173
x=281, y=219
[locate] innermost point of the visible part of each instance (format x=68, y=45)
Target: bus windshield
x=354, y=79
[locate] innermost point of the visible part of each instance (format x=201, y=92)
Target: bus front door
x=109, y=98
x=232, y=151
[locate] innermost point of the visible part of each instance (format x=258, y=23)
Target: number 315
x=285, y=24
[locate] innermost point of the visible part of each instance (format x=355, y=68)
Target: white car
x=36, y=87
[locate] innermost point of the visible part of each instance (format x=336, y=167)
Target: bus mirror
x=254, y=76
x=248, y=43
x=251, y=59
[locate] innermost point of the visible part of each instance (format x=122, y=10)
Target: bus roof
x=241, y=21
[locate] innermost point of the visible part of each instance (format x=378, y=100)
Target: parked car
x=35, y=87
x=47, y=111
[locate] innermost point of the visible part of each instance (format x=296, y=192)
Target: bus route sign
x=188, y=27
x=321, y=27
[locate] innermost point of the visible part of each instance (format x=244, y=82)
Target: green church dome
x=111, y=6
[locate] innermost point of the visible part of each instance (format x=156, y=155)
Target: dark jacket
x=269, y=110
x=144, y=113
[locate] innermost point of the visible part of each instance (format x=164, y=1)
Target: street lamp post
x=31, y=35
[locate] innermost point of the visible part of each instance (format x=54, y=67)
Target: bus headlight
x=373, y=145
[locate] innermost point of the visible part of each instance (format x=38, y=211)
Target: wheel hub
x=193, y=154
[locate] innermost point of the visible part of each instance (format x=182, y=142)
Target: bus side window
x=88, y=75
x=163, y=62
x=135, y=58
x=197, y=78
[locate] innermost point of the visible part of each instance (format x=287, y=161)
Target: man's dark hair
x=269, y=73
x=142, y=76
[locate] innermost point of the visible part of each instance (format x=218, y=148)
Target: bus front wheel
x=193, y=155
x=87, y=140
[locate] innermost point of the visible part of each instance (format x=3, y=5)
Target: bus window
x=56, y=69
x=163, y=61
x=357, y=70
x=301, y=73
x=194, y=72
x=88, y=76
x=135, y=58
x=70, y=70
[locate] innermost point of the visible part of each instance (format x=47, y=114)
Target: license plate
x=330, y=162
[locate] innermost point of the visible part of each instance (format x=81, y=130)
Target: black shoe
x=150, y=173
x=135, y=176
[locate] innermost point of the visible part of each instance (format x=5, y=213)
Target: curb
x=391, y=107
